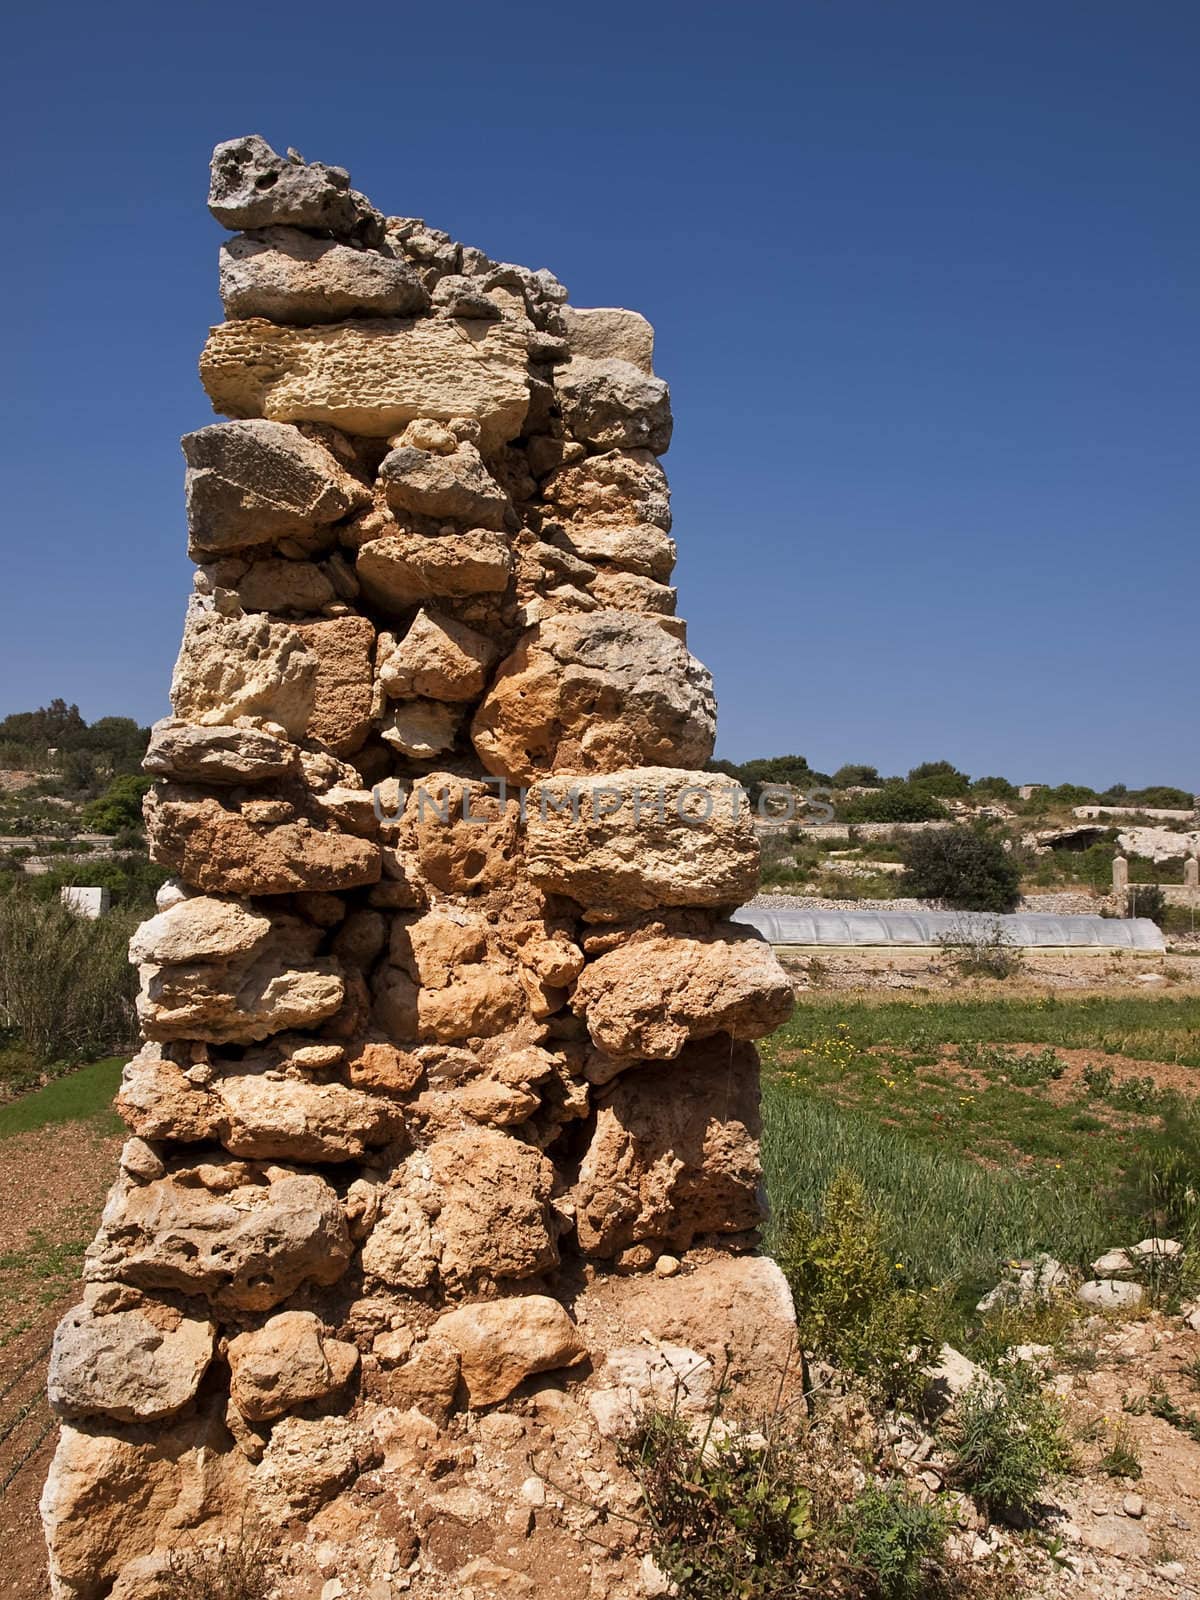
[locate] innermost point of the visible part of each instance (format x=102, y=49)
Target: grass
x=78, y=1097
x=978, y=1154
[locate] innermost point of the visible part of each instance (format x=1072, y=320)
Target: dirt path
x=52, y=1186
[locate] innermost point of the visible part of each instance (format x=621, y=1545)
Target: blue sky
x=926, y=279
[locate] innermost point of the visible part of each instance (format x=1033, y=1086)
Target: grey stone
x=137, y=1365
x=290, y=276
x=190, y=753
x=252, y=187
x=1106, y=1294
x=254, y=482
x=613, y=403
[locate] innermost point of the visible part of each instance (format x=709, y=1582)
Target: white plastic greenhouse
x=1024, y=930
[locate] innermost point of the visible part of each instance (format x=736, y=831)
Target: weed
x=241, y=1567
x=1008, y=1442
x=893, y=1536
x=852, y=1305
x=1120, y=1460
x=988, y=951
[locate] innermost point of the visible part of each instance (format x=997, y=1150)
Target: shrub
x=66, y=986
x=893, y=1536
x=1008, y=1442
x=988, y=952
x=729, y=1518
x=242, y=1567
x=1148, y=900
x=1120, y=1460
x=854, y=775
x=852, y=1307
x=967, y=870
x=119, y=807
x=895, y=802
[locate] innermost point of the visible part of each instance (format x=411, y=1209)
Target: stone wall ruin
x=442, y=1141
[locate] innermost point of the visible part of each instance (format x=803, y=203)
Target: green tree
x=941, y=778
x=856, y=776
x=966, y=869
x=895, y=802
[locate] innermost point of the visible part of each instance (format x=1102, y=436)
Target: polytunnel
x=1022, y=930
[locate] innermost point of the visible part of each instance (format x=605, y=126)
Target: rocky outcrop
x=446, y=1029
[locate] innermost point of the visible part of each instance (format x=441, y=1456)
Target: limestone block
x=620, y=487
x=202, y=928
x=194, y=753
x=252, y=187
x=674, y=1153
x=640, y=547
x=502, y=1342
x=450, y=488
x=648, y=997
x=215, y=847
x=637, y=839
x=141, y=1364
x=610, y=402
x=289, y=276
x=255, y=482
x=245, y=1247
x=593, y=693
x=437, y=659
x=288, y=1362
x=604, y=333
x=401, y=571
x=371, y=376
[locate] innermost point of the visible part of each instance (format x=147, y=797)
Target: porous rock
x=500, y=1343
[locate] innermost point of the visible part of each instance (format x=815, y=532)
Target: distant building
x=1026, y=791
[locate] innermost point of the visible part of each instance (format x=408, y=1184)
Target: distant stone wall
x=446, y=1081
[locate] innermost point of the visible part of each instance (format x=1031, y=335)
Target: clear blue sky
x=926, y=279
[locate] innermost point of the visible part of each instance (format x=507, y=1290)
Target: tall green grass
x=947, y=1219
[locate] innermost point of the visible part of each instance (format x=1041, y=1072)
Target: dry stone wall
x=446, y=1102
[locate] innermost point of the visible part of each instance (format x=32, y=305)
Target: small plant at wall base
x=852, y=1305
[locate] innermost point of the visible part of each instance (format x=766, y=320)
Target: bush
x=893, y=1536
x=728, y=1519
x=967, y=870
x=120, y=806
x=1008, y=1441
x=988, y=952
x=1148, y=900
x=851, y=1304
x=895, y=802
x=66, y=986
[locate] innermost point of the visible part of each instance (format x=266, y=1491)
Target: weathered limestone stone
x=594, y=693
x=141, y=1364
x=654, y=836
x=422, y=728
x=674, y=1154
x=293, y=277
x=191, y=753
x=613, y=403
x=629, y=591
x=204, y=928
x=455, y=488
x=500, y=1343
x=279, y=585
x=234, y=667
x=640, y=548
x=243, y=1244
x=621, y=487
x=340, y=714
x=437, y=659
x=647, y=998
x=398, y=572
x=214, y=847
x=257, y=482
x=371, y=376
x=602, y=333
x=252, y=187
x=495, y=1220
x=288, y=1362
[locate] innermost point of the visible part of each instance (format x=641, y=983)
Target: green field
x=974, y=1136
